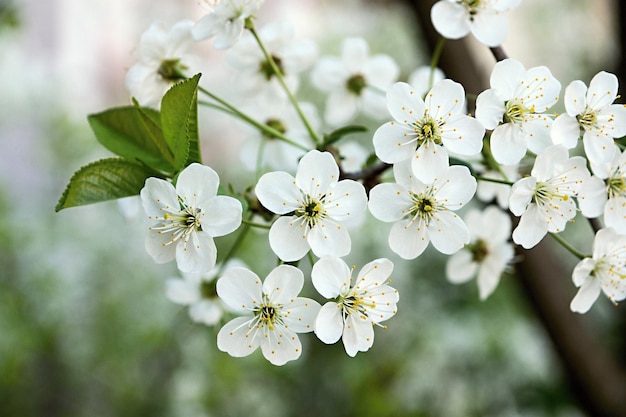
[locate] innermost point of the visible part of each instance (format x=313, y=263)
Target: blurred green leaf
x=134, y=133
x=179, y=119
x=336, y=135
x=106, y=179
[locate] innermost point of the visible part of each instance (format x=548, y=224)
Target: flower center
x=208, y=290
x=616, y=186
x=515, y=112
x=545, y=192
x=587, y=120
x=277, y=125
x=424, y=207
x=472, y=6
x=356, y=84
x=312, y=210
x=427, y=129
x=268, y=315
x=266, y=68
x=479, y=250
x=172, y=70
x=180, y=223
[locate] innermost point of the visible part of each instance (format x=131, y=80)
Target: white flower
x=488, y=253
x=422, y=130
x=513, y=108
x=313, y=206
x=605, y=271
x=424, y=212
x=487, y=191
x=605, y=192
x=423, y=78
x=544, y=199
x=225, y=22
x=353, y=156
x=188, y=217
x=162, y=59
x=198, y=292
x=253, y=73
x=274, y=313
x=591, y=112
x=275, y=153
x=358, y=304
x=355, y=82
x=485, y=19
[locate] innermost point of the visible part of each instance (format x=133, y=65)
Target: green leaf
x=336, y=135
x=106, y=179
x=134, y=133
x=179, y=119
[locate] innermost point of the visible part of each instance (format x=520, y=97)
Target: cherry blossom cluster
x=314, y=191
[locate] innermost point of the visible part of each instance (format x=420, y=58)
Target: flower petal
x=198, y=254
x=239, y=337
x=329, y=238
x=448, y=232
x=281, y=346
x=461, y=267
x=288, y=238
x=602, y=90
x=239, y=289
x=408, y=239
x=358, y=334
x=197, y=184
x=329, y=323
x=565, y=131
x=450, y=19
x=394, y=142
x=223, y=216
x=278, y=192
x=300, y=315
x=389, y=202
x=331, y=276
x=430, y=162
x=404, y=105
x=316, y=172
x=283, y=284
x=586, y=296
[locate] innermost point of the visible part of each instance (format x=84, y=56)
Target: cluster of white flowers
x=434, y=147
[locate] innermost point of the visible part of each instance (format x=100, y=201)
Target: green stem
x=254, y=224
x=269, y=131
x=480, y=178
x=569, y=247
x=281, y=80
x=434, y=61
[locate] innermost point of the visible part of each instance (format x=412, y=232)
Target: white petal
x=221, y=216
x=394, y=142
x=341, y=107
x=389, y=202
x=430, y=162
x=278, y=192
x=345, y=201
x=586, y=296
x=463, y=135
x=506, y=78
x=531, y=228
x=198, y=254
x=448, y=233
x=445, y=98
x=575, y=98
x=155, y=195
x=374, y=273
x=283, y=284
x=281, y=346
x=197, y=183
x=404, y=104
x=329, y=323
x=331, y=276
x=456, y=188
x=181, y=291
x=159, y=247
x=521, y=195
x=380, y=71
x=565, y=131
x=615, y=214
x=300, y=315
x=602, y=90
x=460, y=267
x=239, y=289
x=583, y=270
x=288, y=238
x=358, y=334
x=329, y=238
x=537, y=129
x=490, y=28
x=450, y=19
x=592, y=198
x=599, y=149
x=508, y=144
x=206, y=311
x=238, y=337
x=489, y=109
x=354, y=53
x=329, y=74
x=316, y=172
x=408, y=239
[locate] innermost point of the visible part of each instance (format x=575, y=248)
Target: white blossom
x=314, y=207
x=544, y=199
x=225, y=22
x=163, y=59
x=273, y=313
x=591, y=112
x=188, y=217
x=514, y=109
x=423, y=129
x=485, y=19
x=605, y=192
x=424, y=213
x=354, y=82
x=488, y=253
x=604, y=272
x=423, y=78
x=357, y=304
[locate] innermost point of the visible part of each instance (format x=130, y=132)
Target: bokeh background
x=85, y=327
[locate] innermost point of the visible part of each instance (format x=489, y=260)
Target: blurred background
x=86, y=329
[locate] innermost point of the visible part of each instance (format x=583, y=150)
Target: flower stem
x=498, y=181
x=281, y=80
x=498, y=53
x=434, y=61
x=268, y=130
x=254, y=224
x=569, y=247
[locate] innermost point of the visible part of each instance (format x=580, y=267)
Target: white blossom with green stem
x=187, y=217
x=314, y=208
x=544, y=200
x=358, y=304
x=424, y=213
x=273, y=314
x=225, y=22
x=604, y=271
